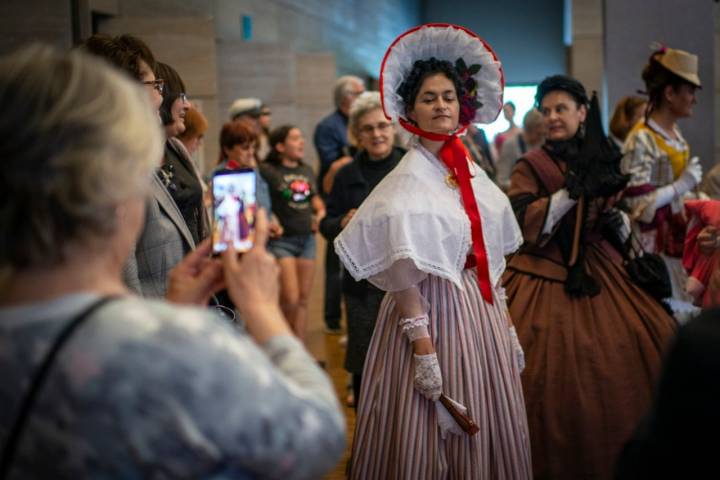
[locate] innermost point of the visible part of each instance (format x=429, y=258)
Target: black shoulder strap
x=547, y=171
x=28, y=402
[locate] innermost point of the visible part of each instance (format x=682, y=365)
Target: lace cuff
x=415, y=327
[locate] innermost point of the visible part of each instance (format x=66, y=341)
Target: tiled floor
x=327, y=348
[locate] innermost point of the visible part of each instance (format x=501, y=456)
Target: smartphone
x=234, y=208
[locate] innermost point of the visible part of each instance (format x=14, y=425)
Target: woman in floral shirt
x=141, y=389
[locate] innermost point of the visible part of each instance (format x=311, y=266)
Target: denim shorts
x=298, y=246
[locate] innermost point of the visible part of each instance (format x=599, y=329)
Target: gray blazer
x=164, y=241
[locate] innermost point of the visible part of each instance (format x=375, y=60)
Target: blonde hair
x=365, y=103
x=78, y=138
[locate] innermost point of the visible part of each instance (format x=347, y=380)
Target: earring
x=581, y=130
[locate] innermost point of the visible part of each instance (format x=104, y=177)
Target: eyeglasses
x=183, y=96
x=369, y=129
x=158, y=84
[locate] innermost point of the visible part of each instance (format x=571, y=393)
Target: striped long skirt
x=396, y=434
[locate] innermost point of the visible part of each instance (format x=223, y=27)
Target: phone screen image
x=234, y=207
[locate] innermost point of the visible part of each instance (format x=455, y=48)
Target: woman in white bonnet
x=433, y=234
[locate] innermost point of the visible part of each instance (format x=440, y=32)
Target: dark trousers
x=333, y=285
x=356, y=382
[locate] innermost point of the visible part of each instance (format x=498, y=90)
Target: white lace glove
x=560, y=204
x=446, y=422
x=415, y=327
x=428, y=380
x=687, y=180
x=517, y=349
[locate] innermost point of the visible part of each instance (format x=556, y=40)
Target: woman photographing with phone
x=133, y=379
x=299, y=210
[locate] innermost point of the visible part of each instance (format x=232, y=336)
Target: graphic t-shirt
x=290, y=191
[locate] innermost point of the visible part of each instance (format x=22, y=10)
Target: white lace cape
x=412, y=224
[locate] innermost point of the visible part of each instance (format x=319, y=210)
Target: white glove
x=517, y=349
x=687, y=180
x=415, y=327
x=665, y=195
x=428, y=380
x=560, y=204
x=446, y=422
x=690, y=177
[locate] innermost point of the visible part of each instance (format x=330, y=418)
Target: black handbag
x=647, y=270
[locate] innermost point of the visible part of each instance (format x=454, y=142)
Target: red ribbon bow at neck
x=455, y=157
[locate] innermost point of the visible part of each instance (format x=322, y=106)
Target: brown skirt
x=591, y=367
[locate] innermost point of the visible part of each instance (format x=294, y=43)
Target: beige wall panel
x=23, y=22
x=187, y=44
x=255, y=70
x=166, y=8
x=315, y=78
x=586, y=62
x=587, y=17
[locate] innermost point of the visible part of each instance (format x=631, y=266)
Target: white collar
x=678, y=144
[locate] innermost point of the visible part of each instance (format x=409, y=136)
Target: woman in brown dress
x=593, y=340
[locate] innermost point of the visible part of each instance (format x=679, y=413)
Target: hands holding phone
x=196, y=278
x=252, y=281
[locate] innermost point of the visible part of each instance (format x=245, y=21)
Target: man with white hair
x=334, y=152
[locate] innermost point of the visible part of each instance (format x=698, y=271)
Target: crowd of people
x=509, y=303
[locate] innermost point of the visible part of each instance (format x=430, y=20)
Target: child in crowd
x=299, y=210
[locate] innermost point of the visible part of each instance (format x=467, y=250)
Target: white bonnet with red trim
x=473, y=57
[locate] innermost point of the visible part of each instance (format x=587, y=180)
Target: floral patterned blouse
x=144, y=389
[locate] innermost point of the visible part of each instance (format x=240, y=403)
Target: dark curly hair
x=422, y=69
x=564, y=83
x=656, y=78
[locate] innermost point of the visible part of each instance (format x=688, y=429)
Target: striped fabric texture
x=397, y=436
